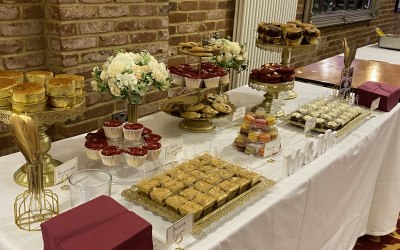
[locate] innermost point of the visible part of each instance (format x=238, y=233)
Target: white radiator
x=248, y=14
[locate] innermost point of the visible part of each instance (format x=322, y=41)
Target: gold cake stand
x=45, y=119
x=199, y=125
x=286, y=52
x=272, y=91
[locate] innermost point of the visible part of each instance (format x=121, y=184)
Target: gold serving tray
x=343, y=131
x=208, y=221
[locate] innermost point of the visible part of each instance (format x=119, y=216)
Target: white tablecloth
x=327, y=204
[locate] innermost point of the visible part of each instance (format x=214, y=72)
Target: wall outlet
x=120, y=116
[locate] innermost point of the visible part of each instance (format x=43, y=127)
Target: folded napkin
x=369, y=91
x=101, y=223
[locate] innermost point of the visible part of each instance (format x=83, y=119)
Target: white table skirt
x=325, y=205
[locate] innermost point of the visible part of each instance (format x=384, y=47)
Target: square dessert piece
x=187, y=167
x=174, y=172
x=160, y=194
x=181, y=177
x=213, y=179
x=242, y=182
x=218, y=194
x=189, y=193
x=206, y=157
x=198, y=174
x=191, y=207
x=254, y=178
x=174, y=186
x=175, y=202
x=146, y=185
x=219, y=163
x=224, y=174
x=189, y=180
x=202, y=186
x=208, y=169
x=198, y=162
x=162, y=178
x=230, y=188
x=206, y=201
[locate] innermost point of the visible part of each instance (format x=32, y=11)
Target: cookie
x=194, y=107
x=205, y=115
x=190, y=115
x=214, y=97
x=174, y=107
x=202, y=54
x=222, y=107
x=197, y=49
x=209, y=110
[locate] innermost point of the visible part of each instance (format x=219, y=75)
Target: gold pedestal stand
x=44, y=120
x=286, y=52
x=272, y=91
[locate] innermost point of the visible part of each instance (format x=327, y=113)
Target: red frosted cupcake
x=132, y=131
x=112, y=129
x=146, y=131
x=154, y=149
x=135, y=156
x=152, y=137
x=111, y=155
x=93, y=147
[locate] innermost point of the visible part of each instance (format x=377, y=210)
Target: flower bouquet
x=129, y=75
x=233, y=55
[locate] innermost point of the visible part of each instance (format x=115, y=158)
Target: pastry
x=151, y=137
x=146, y=186
x=174, y=185
x=218, y=194
x=249, y=119
x=297, y=23
x=190, y=115
x=222, y=107
x=273, y=134
x=202, y=186
x=270, y=120
x=93, y=147
x=250, y=150
x=146, y=131
x=275, y=77
x=293, y=36
x=189, y=180
x=154, y=149
x=224, y=174
x=272, y=34
x=242, y=182
x=206, y=201
x=212, y=179
x=162, y=178
x=160, y=195
x=260, y=123
x=194, y=107
x=111, y=155
x=175, y=201
x=18, y=76
x=264, y=137
x=39, y=76
x=253, y=136
x=240, y=143
x=135, y=156
x=60, y=87
x=230, y=188
x=132, y=131
x=187, y=167
x=191, y=207
x=28, y=92
x=79, y=80
x=112, y=129
x=62, y=101
x=311, y=35
x=189, y=193
x=209, y=110
x=6, y=86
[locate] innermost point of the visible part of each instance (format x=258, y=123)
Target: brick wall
x=73, y=36
x=359, y=34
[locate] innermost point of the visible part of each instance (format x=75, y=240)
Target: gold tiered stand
x=45, y=119
x=272, y=91
x=286, y=52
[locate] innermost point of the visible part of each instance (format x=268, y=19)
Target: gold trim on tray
x=207, y=220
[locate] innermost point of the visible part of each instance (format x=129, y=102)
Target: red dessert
x=152, y=137
x=266, y=70
x=288, y=78
x=133, y=126
x=285, y=70
x=146, y=131
x=95, y=137
x=95, y=144
x=152, y=145
x=111, y=150
x=136, y=151
x=112, y=123
x=101, y=132
x=271, y=78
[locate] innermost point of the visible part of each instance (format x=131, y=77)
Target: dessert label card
x=238, y=114
x=173, y=148
x=65, y=170
x=375, y=104
x=272, y=147
x=179, y=229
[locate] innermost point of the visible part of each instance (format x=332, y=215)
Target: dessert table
x=350, y=190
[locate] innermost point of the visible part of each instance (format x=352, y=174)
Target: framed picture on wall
x=397, y=6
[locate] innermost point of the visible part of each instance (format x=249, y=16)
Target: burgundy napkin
x=101, y=223
x=369, y=91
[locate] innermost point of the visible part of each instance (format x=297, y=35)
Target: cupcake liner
x=110, y=160
x=212, y=82
x=113, y=132
x=154, y=155
x=132, y=134
x=134, y=160
x=178, y=80
x=93, y=154
x=223, y=80
x=192, y=82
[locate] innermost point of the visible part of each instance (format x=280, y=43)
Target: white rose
x=114, y=68
x=115, y=91
x=103, y=75
x=95, y=86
